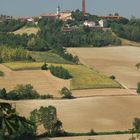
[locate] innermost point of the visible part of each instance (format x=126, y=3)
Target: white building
x=103, y=23
x=90, y=24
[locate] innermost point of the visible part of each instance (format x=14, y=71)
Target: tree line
x=130, y=31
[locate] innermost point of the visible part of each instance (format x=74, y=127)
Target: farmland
x=83, y=77
x=119, y=61
x=103, y=114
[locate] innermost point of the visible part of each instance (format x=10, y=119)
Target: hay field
x=105, y=137
x=27, y=30
x=42, y=81
x=118, y=61
x=83, y=77
x=103, y=114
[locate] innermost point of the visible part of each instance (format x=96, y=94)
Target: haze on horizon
x=100, y=7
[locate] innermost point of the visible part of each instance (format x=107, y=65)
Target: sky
x=125, y=8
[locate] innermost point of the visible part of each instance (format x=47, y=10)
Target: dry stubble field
x=118, y=61
x=44, y=82
x=83, y=114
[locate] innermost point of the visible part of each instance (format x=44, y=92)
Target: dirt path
x=105, y=137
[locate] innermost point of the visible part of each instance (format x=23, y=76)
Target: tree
x=66, y=93
x=45, y=66
x=116, y=14
x=138, y=88
x=12, y=124
x=48, y=117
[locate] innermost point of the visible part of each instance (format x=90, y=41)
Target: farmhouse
x=103, y=23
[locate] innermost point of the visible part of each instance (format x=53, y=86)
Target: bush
x=3, y=93
x=66, y=93
x=46, y=96
x=44, y=66
x=1, y=73
x=112, y=77
x=1, y=60
x=138, y=88
x=60, y=72
x=23, y=92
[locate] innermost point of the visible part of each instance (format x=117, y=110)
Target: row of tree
x=11, y=25
x=22, y=92
x=130, y=31
x=10, y=54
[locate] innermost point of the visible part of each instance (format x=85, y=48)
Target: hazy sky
x=126, y=8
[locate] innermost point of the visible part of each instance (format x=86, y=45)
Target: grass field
x=48, y=57
x=27, y=30
x=119, y=61
x=83, y=77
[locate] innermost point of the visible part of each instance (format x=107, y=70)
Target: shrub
x=3, y=93
x=1, y=60
x=46, y=96
x=138, y=88
x=112, y=77
x=1, y=73
x=23, y=92
x=60, y=72
x=44, y=66
x=66, y=93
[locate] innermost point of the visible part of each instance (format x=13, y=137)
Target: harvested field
x=42, y=81
x=27, y=30
x=83, y=77
x=119, y=61
x=103, y=114
x=106, y=137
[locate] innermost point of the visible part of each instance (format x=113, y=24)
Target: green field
x=1, y=73
x=83, y=77
x=48, y=57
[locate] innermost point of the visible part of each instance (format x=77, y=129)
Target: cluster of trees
x=11, y=25
x=14, y=41
x=66, y=93
x=47, y=116
x=87, y=37
x=10, y=54
x=60, y=72
x=130, y=31
x=13, y=126
x=22, y=92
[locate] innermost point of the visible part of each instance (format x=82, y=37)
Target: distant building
x=5, y=17
x=103, y=23
x=65, y=15
x=90, y=24
x=49, y=16
x=58, y=10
